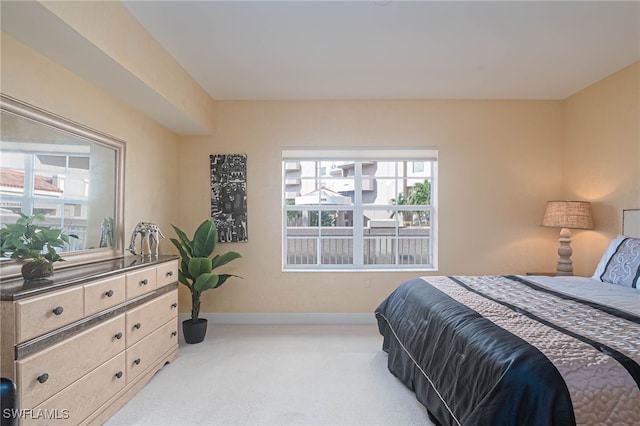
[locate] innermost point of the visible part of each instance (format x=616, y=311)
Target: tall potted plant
x=34, y=244
x=196, y=272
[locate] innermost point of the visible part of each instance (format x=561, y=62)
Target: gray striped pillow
x=623, y=267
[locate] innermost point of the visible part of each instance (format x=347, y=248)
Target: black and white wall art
x=229, y=196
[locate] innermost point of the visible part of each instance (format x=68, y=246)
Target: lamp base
x=565, y=266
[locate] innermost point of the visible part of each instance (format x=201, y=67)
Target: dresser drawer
x=43, y=374
x=147, y=317
x=39, y=315
x=82, y=398
x=148, y=350
x=104, y=294
x=141, y=282
x=167, y=273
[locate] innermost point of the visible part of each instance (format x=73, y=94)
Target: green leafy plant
x=419, y=194
x=27, y=241
x=197, y=265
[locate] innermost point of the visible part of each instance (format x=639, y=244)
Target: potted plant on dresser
x=33, y=244
x=196, y=272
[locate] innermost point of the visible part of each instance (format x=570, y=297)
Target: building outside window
x=359, y=209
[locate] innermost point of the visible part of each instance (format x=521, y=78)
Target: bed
x=521, y=350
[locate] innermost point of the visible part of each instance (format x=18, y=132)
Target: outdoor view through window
x=370, y=209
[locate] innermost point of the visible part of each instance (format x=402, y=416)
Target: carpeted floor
x=277, y=375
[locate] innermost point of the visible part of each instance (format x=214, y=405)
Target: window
x=359, y=209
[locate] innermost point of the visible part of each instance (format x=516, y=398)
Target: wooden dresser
x=81, y=347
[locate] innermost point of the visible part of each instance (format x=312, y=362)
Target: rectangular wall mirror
x=71, y=174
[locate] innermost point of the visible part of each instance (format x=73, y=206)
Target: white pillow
x=621, y=263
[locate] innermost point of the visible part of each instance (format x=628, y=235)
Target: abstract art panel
x=229, y=196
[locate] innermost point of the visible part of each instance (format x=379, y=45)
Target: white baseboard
x=288, y=318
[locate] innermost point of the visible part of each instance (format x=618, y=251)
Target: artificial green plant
x=27, y=241
x=197, y=265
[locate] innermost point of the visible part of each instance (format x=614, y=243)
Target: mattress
x=513, y=350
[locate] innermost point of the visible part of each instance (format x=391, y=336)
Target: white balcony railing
x=381, y=246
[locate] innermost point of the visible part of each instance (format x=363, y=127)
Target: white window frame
x=359, y=155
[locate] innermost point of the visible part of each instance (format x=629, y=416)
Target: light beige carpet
x=277, y=375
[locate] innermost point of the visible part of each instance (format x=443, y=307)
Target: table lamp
x=567, y=215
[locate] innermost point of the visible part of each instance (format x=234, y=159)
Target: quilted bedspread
x=501, y=350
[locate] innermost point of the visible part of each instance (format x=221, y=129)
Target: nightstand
x=546, y=274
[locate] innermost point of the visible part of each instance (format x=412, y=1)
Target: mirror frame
x=15, y=107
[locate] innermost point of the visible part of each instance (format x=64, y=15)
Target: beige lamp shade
x=568, y=214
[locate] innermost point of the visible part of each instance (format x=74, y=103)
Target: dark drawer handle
x=170, y=274
x=137, y=361
x=137, y=326
x=174, y=333
x=59, y=310
x=118, y=336
x=119, y=374
x=109, y=293
x=43, y=378
x=174, y=305
x=144, y=282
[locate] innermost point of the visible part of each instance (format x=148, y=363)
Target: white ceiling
x=353, y=49
x=393, y=49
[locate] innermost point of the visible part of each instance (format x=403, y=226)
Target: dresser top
x=18, y=288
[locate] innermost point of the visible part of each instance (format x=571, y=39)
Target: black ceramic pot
x=194, y=331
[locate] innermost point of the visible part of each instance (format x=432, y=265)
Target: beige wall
x=151, y=174
x=499, y=163
x=601, y=158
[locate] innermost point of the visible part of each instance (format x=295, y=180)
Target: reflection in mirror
x=70, y=174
